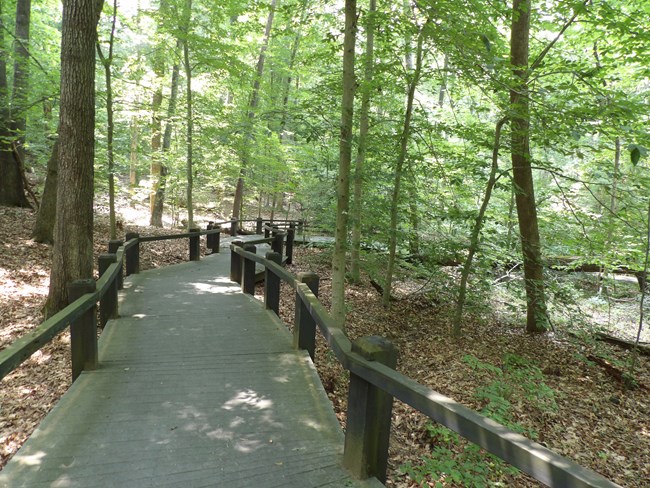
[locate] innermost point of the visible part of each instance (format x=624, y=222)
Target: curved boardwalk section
x=198, y=386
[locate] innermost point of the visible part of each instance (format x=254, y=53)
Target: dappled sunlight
x=31, y=459
x=248, y=398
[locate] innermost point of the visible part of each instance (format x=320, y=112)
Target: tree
x=345, y=159
x=107, y=62
x=13, y=121
x=72, y=256
x=187, y=22
x=364, y=123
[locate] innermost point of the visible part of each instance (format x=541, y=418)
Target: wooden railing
x=87, y=297
x=374, y=383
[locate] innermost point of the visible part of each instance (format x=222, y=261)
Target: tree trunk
x=13, y=121
x=44, y=225
x=190, y=120
x=537, y=316
x=133, y=156
x=476, y=230
x=72, y=256
x=107, y=62
x=364, y=123
x=252, y=106
x=345, y=158
x=399, y=166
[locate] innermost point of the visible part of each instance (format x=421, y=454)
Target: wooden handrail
x=528, y=456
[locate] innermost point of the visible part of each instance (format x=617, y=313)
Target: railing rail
x=80, y=314
x=374, y=383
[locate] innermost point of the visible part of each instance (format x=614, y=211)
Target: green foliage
x=452, y=459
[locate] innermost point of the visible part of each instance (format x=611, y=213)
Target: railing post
x=267, y=230
x=278, y=241
x=133, y=255
x=108, y=303
x=248, y=281
x=216, y=238
x=304, y=326
x=272, y=284
x=233, y=227
x=209, y=237
x=83, y=331
x=369, y=413
x=291, y=235
x=235, y=263
x=113, y=246
x=195, y=244
x=258, y=225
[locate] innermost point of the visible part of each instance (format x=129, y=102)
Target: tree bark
x=345, y=159
x=399, y=166
x=364, y=124
x=72, y=256
x=537, y=316
x=44, y=226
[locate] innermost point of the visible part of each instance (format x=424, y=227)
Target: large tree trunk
x=406, y=133
x=156, y=168
x=252, y=106
x=13, y=121
x=44, y=225
x=364, y=124
x=72, y=256
x=345, y=159
x=537, y=316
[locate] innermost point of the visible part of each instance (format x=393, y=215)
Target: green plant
x=457, y=461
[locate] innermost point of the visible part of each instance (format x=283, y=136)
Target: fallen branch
x=616, y=373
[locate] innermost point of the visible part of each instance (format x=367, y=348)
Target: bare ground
x=589, y=416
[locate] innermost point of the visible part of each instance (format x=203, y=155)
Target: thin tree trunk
x=72, y=256
x=406, y=132
x=537, y=316
x=252, y=106
x=190, y=120
x=13, y=123
x=133, y=157
x=476, y=230
x=345, y=159
x=364, y=123
x=110, y=126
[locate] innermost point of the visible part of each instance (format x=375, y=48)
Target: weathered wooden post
x=108, y=303
x=267, y=230
x=248, y=281
x=278, y=241
x=304, y=326
x=113, y=246
x=369, y=414
x=272, y=284
x=233, y=227
x=291, y=235
x=216, y=240
x=133, y=254
x=259, y=223
x=209, y=237
x=235, y=263
x=195, y=244
x=83, y=331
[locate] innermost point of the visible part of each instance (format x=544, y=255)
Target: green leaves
x=636, y=151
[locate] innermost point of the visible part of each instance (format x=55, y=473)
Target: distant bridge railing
x=88, y=297
x=374, y=383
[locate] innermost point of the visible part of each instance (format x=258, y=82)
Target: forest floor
x=560, y=389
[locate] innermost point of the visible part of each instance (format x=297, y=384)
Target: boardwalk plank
x=198, y=386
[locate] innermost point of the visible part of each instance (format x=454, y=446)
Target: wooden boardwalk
x=198, y=386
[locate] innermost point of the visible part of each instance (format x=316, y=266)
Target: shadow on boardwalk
x=198, y=386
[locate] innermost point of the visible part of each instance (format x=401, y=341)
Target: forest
x=479, y=169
